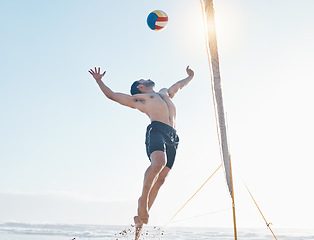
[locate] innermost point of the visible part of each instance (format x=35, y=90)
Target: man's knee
x=160, y=181
x=158, y=160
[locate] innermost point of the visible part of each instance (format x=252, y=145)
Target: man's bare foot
x=142, y=211
x=138, y=222
x=138, y=227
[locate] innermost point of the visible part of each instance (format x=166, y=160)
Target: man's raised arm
x=124, y=99
x=182, y=83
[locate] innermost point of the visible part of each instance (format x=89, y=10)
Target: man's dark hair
x=134, y=89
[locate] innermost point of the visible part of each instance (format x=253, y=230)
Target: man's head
x=142, y=86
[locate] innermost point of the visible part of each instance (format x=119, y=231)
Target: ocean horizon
x=28, y=231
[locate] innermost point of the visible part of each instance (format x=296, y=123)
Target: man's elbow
x=111, y=97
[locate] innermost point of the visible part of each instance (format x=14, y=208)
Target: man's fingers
x=91, y=71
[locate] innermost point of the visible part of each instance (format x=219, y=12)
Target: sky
x=70, y=155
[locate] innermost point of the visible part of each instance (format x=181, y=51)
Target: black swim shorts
x=162, y=137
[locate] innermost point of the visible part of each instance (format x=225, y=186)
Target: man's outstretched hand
x=189, y=71
x=96, y=74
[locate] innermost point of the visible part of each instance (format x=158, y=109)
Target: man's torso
x=158, y=107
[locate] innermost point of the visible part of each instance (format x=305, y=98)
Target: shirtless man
x=161, y=138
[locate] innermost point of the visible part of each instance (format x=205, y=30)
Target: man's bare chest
x=158, y=101
x=161, y=103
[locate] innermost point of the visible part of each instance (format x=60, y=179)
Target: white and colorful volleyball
x=157, y=20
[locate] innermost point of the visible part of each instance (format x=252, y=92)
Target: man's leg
x=158, y=183
x=158, y=162
x=151, y=198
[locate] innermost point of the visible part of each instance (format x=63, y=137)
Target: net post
x=213, y=59
x=233, y=204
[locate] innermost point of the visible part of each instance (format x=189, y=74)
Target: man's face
x=147, y=83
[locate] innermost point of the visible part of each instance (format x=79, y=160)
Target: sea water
x=24, y=231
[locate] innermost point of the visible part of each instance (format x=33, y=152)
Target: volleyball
x=157, y=20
